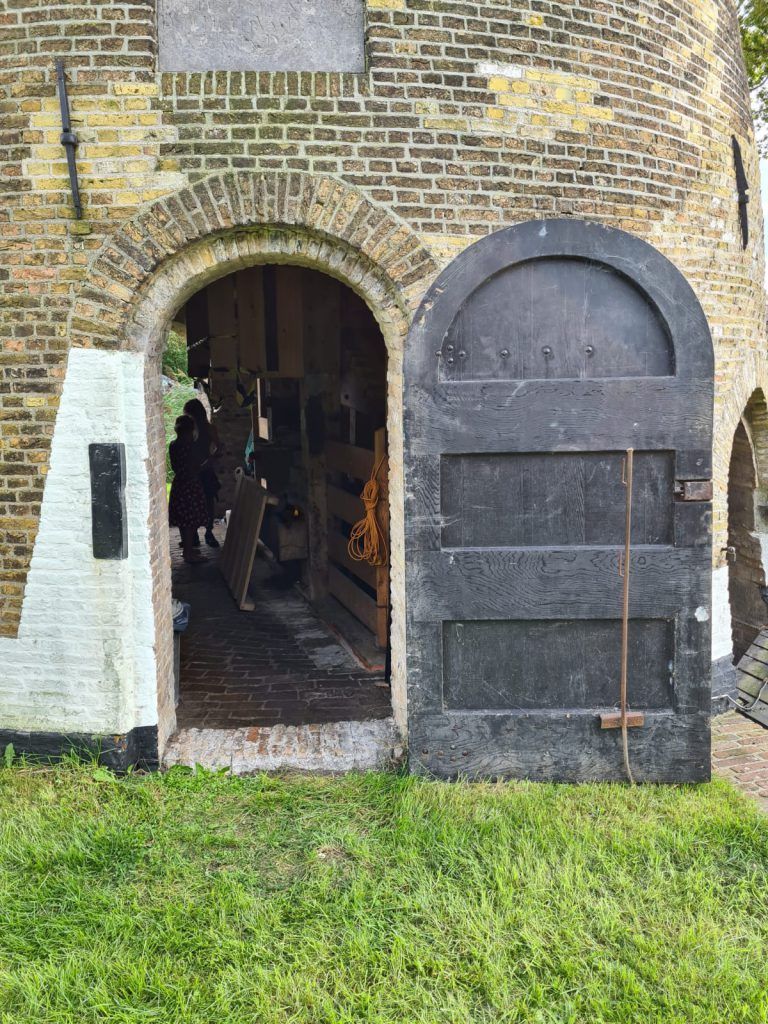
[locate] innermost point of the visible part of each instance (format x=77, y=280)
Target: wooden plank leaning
x=241, y=541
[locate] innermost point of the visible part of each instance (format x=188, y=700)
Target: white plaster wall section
x=722, y=641
x=139, y=618
x=84, y=657
x=491, y=69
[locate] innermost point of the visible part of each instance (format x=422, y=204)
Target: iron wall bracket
x=68, y=138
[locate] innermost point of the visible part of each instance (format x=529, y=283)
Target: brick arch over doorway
x=183, y=242
x=316, y=220
x=325, y=223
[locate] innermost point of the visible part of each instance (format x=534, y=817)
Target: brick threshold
x=325, y=747
x=739, y=749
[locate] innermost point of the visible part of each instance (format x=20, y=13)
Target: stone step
x=326, y=747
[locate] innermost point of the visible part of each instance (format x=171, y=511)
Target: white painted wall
x=84, y=658
x=722, y=642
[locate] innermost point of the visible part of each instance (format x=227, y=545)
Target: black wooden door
x=537, y=358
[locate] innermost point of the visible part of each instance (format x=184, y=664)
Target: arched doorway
x=183, y=242
x=291, y=367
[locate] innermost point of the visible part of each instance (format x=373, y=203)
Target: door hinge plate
x=693, y=490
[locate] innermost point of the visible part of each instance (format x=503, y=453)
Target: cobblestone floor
x=740, y=753
x=277, y=665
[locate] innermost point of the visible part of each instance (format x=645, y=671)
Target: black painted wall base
x=725, y=681
x=138, y=748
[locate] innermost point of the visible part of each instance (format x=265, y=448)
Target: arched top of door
x=562, y=299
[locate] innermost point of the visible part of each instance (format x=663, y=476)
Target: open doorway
x=747, y=525
x=291, y=367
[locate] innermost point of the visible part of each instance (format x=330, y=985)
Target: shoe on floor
x=210, y=539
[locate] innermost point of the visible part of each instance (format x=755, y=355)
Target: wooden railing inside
x=363, y=589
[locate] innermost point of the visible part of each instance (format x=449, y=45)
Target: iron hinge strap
x=68, y=138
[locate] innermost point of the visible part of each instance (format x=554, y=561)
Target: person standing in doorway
x=207, y=445
x=187, y=507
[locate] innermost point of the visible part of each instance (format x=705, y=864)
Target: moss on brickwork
x=470, y=118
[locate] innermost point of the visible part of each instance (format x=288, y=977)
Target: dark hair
x=184, y=425
x=195, y=408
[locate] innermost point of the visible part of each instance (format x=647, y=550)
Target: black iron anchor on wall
x=68, y=138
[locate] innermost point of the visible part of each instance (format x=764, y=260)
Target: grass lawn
x=192, y=897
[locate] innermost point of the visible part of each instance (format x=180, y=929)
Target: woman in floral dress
x=207, y=444
x=187, y=508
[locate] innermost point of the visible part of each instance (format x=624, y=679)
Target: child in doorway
x=187, y=508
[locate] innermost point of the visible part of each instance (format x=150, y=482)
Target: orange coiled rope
x=367, y=542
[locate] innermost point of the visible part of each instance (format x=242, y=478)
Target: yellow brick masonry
x=117, y=152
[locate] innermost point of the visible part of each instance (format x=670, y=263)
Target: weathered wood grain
x=515, y=500
x=250, y=319
x=611, y=329
x=559, y=416
x=758, y=653
x=349, y=459
x=242, y=538
x=754, y=668
x=289, y=283
x=562, y=743
x=518, y=664
x=222, y=323
x=355, y=600
x=759, y=648
x=575, y=582
x=347, y=507
x=337, y=551
x=654, y=276
x=754, y=688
